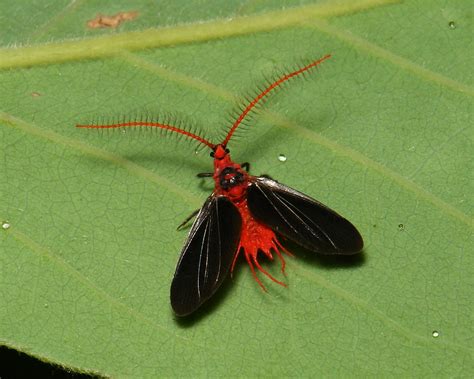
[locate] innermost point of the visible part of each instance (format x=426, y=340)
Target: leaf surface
x=382, y=133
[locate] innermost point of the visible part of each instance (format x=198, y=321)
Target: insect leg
x=280, y=256
x=265, y=272
x=235, y=260
x=252, y=269
x=185, y=222
x=205, y=175
x=245, y=166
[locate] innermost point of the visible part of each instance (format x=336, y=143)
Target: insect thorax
x=230, y=177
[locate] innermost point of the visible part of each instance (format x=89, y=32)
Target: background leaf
x=382, y=133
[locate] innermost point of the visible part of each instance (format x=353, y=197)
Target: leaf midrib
x=110, y=45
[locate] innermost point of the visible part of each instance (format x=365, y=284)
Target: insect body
x=245, y=214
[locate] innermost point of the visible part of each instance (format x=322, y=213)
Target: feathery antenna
x=252, y=103
x=266, y=91
x=153, y=125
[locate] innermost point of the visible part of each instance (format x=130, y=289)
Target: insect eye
x=212, y=154
x=224, y=184
x=227, y=151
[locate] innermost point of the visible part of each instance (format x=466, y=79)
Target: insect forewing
x=301, y=218
x=207, y=255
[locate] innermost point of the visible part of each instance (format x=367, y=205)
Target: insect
x=245, y=214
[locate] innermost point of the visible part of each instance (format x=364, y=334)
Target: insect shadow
x=192, y=165
x=333, y=261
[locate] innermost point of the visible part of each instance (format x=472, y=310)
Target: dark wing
x=302, y=219
x=207, y=255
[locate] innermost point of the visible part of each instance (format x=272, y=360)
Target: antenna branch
x=266, y=91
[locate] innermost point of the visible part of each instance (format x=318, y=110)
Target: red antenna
x=266, y=91
x=236, y=124
x=151, y=125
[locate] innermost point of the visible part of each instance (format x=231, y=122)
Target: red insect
x=245, y=214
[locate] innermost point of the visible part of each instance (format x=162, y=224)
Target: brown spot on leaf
x=35, y=94
x=103, y=21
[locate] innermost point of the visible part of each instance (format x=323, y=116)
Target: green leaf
x=382, y=133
